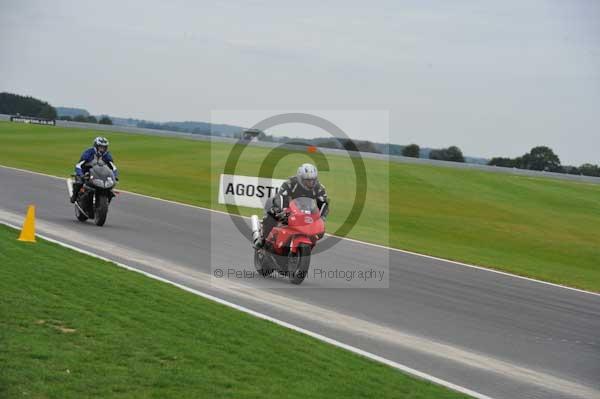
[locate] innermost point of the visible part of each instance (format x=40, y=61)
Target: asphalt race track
x=499, y=335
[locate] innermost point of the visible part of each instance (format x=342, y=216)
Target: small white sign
x=249, y=191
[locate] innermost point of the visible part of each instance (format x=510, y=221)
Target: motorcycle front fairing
x=101, y=178
x=304, y=225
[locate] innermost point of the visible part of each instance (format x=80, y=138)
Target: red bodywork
x=302, y=227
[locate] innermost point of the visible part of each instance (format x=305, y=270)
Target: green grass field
x=536, y=227
x=73, y=326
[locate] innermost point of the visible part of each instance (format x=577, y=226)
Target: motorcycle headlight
x=109, y=183
x=98, y=183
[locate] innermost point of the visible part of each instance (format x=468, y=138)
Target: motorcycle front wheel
x=299, y=263
x=101, y=210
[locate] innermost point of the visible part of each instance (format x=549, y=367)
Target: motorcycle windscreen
x=101, y=172
x=305, y=205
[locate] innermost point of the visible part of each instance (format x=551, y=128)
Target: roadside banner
x=36, y=121
x=249, y=191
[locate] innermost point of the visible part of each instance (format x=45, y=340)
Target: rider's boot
x=257, y=239
x=76, y=188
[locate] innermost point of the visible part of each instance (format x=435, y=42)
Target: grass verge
x=73, y=326
x=536, y=227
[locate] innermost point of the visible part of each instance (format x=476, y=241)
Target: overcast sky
x=494, y=78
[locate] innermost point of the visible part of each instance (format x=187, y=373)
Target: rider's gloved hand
x=281, y=216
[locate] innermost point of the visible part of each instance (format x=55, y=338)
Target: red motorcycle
x=288, y=247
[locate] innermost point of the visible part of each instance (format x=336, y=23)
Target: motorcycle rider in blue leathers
x=98, y=151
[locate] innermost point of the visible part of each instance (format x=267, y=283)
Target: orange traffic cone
x=28, y=230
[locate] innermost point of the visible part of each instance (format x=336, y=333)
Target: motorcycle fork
x=90, y=202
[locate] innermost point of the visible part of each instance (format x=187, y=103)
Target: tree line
x=350, y=145
x=540, y=158
x=15, y=104
x=451, y=154
x=103, y=120
x=543, y=158
x=337, y=143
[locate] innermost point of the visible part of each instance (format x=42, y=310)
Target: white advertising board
x=247, y=191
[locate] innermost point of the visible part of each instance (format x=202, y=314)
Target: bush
x=571, y=170
x=105, y=120
x=541, y=158
x=357, y=145
x=452, y=154
x=588, y=169
x=411, y=150
x=503, y=162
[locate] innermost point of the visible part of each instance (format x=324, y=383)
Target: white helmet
x=307, y=175
x=101, y=144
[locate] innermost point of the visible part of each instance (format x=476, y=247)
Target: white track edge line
x=483, y=268
x=331, y=341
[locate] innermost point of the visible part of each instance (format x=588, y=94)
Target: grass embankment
x=73, y=326
x=537, y=227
